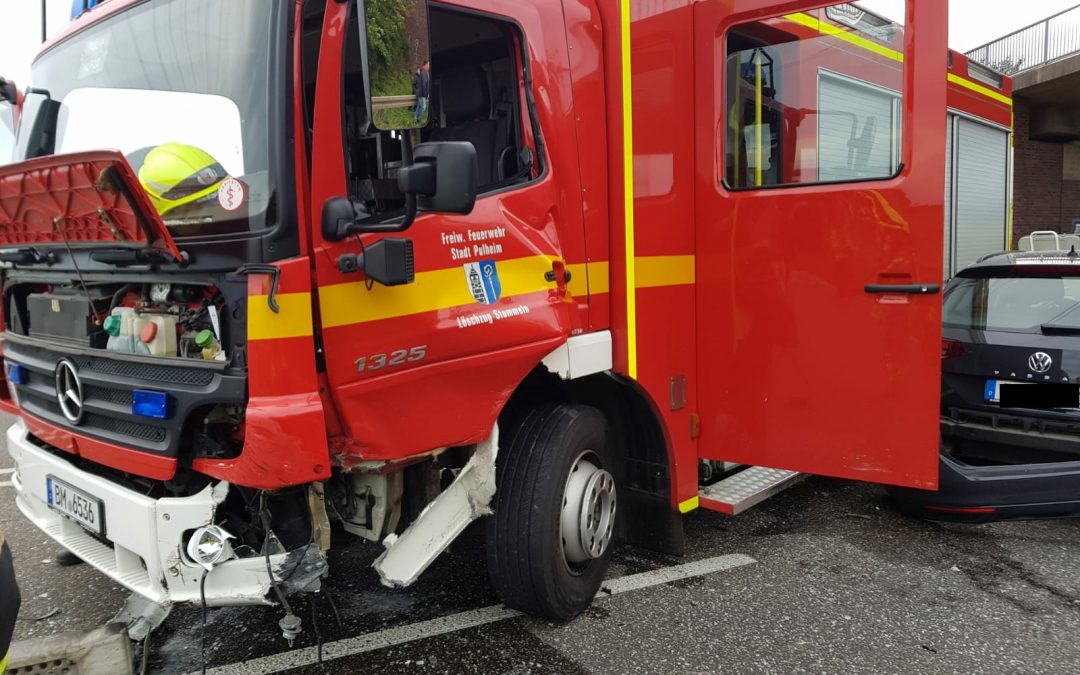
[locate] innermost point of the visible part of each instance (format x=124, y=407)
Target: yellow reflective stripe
x=689, y=505
x=804, y=19
x=664, y=270
x=587, y=279
x=979, y=89
x=649, y=272
x=628, y=191
x=828, y=29
x=3, y=664
x=351, y=303
x=294, y=319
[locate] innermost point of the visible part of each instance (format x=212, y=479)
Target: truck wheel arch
x=639, y=443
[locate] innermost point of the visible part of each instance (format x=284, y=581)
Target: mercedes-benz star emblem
x=1040, y=362
x=69, y=391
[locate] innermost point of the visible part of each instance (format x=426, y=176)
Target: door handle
x=914, y=289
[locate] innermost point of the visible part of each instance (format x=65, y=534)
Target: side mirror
x=9, y=94
x=441, y=179
x=397, y=71
x=42, y=113
x=443, y=176
x=8, y=91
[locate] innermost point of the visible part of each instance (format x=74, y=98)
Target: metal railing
x=1048, y=40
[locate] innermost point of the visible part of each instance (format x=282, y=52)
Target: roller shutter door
x=858, y=129
x=979, y=218
x=949, y=226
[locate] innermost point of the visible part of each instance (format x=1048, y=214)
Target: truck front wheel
x=549, y=542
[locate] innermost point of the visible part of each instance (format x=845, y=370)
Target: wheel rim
x=588, y=513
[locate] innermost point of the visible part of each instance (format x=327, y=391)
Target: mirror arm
x=410, y=197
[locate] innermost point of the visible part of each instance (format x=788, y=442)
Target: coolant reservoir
x=158, y=333
x=119, y=341
x=126, y=325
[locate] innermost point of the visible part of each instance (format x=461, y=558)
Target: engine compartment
x=169, y=320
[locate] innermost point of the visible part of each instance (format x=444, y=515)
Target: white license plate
x=85, y=509
x=992, y=392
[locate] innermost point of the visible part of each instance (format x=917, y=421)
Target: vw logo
x=1040, y=362
x=69, y=391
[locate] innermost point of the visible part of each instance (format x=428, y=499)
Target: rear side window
x=812, y=97
x=1014, y=304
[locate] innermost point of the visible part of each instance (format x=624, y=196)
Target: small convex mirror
x=395, y=35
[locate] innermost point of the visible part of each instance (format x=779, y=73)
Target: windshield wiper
x=122, y=257
x=25, y=256
x=1059, y=329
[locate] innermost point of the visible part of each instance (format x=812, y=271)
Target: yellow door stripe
x=628, y=191
x=294, y=319
x=351, y=303
x=649, y=272
x=588, y=279
x=979, y=89
x=664, y=270
x=859, y=41
x=689, y=505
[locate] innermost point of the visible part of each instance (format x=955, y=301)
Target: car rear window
x=1015, y=304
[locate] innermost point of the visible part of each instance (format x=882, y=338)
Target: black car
x=1010, y=392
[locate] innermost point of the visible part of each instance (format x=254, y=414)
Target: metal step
x=739, y=492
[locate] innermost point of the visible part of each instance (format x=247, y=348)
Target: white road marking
x=6, y=483
x=6, y=471
x=400, y=635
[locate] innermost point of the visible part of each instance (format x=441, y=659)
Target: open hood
x=79, y=198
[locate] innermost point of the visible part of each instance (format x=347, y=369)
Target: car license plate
x=86, y=510
x=992, y=394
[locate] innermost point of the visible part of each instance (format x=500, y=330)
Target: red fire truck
x=278, y=273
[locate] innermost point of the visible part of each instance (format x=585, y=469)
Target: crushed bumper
x=142, y=547
x=978, y=494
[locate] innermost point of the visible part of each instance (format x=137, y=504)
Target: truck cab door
x=819, y=215
x=429, y=364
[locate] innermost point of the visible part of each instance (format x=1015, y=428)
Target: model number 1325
x=394, y=358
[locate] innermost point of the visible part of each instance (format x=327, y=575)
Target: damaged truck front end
x=157, y=348
x=129, y=364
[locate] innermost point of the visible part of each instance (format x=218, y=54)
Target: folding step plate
x=748, y=487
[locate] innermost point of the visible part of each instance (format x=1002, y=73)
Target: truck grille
x=122, y=369
x=107, y=386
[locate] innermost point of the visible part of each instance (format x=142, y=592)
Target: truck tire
x=549, y=542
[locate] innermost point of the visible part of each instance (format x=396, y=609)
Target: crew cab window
x=812, y=97
x=477, y=95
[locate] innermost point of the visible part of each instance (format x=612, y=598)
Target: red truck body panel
x=740, y=315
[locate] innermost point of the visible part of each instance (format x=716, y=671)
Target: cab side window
x=812, y=97
x=476, y=95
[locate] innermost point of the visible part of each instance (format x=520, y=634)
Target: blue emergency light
x=80, y=6
x=16, y=373
x=147, y=403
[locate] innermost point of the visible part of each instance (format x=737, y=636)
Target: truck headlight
x=209, y=545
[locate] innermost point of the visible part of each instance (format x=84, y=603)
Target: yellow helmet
x=174, y=174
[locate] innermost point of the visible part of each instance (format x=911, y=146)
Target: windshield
x=183, y=88
x=1014, y=304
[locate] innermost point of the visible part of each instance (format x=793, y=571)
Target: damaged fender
x=438, y=525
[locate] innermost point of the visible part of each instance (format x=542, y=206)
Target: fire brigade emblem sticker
x=483, y=280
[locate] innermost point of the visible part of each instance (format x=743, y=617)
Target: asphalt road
x=839, y=582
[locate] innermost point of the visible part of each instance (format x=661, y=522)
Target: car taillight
x=950, y=349
x=962, y=509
